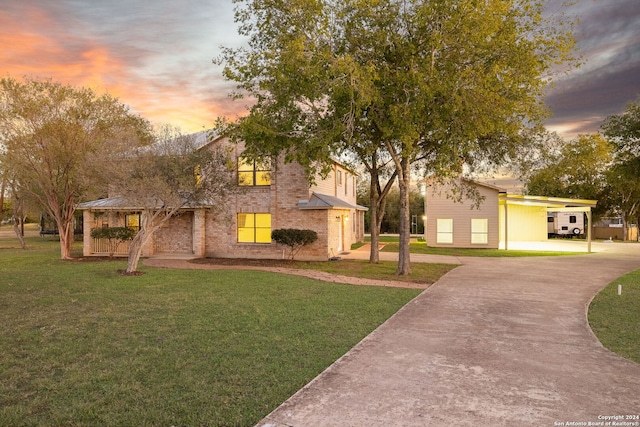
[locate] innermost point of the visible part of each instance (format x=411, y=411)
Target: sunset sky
x=156, y=56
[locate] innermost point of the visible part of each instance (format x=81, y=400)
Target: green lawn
x=615, y=319
x=384, y=270
x=421, y=273
x=85, y=346
x=422, y=248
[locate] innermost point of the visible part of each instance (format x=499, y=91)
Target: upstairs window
x=253, y=174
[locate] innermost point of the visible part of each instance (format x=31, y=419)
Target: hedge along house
x=274, y=195
x=497, y=221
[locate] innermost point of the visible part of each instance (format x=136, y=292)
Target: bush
x=115, y=236
x=295, y=238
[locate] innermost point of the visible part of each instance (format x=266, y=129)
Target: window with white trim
x=444, y=230
x=479, y=231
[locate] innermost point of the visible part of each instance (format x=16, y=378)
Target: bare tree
x=176, y=172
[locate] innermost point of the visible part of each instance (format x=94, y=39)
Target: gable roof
x=324, y=201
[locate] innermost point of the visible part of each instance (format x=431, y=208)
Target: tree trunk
x=66, y=237
x=624, y=226
x=374, y=197
x=135, y=251
x=3, y=187
x=404, y=255
x=18, y=220
x=377, y=203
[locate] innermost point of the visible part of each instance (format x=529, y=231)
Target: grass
x=422, y=248
x=85, y=346
x=615, y=318
x=421, y=273
x=384, y=270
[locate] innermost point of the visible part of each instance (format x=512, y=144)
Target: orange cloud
x=42, y=46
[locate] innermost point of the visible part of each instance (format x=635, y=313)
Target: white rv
x=565, y=224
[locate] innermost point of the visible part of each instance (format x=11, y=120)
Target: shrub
x=294, y=238
x=115, y=236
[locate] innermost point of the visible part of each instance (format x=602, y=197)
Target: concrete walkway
x=496, y=342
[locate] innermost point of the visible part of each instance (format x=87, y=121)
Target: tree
x=56, y=138
x=449, y=84
x=623, y=130
x=295, y=238
x=176, y=172
x=576, y=170
x=381, y=180
x=622, y=191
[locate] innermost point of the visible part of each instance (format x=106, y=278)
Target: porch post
x=87, y=223
x=199, y=233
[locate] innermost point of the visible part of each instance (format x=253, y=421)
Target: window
x=444, y=230
x=253, y=173
x=339, y=177
x=479, y=231
x=254, y=228
x=132, y=221
x=572, y=219
x=102, y=220
x=346, y=184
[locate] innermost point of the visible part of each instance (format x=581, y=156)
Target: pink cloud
x=42, y=45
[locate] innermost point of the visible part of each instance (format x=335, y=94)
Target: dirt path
x=313, y=274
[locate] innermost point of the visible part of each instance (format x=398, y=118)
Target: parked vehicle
x=565, y=224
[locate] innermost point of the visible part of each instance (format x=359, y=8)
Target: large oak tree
x=449, y=84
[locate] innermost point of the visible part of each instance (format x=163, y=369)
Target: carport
x=524, y=218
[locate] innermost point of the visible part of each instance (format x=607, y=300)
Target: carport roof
x=549, y=202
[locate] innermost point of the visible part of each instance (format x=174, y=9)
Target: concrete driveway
x=496, y=342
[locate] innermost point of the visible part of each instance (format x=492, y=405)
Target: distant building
x=498, y=220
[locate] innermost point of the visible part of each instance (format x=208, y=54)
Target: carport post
x=506, y=227
x=589, y=230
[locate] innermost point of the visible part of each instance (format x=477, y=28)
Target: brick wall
x=175, y=235
x=289, y=185
x=213, y=233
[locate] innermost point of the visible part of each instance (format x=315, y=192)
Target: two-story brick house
x=275, y=195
